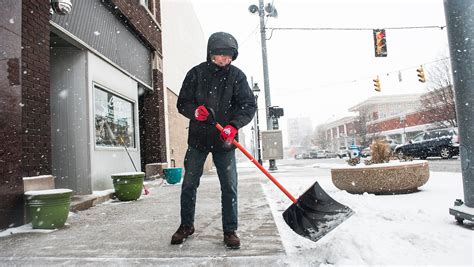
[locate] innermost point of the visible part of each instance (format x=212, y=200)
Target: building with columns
x=396, y=117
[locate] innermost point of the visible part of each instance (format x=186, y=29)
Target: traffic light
x=421, y=74
x=275, y=111
x=380, y=43
x=377, y=84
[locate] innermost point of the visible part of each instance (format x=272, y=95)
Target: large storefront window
x=114, y=120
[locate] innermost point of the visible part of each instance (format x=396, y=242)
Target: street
x=436, y=164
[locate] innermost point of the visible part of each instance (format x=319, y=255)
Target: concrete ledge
x=83, y=202
x=154, y=170
x=42, y=182
x=404, y=177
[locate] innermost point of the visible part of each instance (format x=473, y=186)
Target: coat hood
x=222, y=42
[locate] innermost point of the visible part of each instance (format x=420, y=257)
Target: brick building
x=341, y=134
x=71, y=86
x=397, y=117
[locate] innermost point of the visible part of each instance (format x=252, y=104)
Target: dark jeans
x=227, y=172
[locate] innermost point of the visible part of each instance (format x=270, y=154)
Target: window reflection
x=114, y=123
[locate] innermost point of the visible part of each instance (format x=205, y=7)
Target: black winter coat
x=226, y=91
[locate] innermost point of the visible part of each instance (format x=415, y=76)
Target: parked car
x=443, y=143
x=331, y=154
x=366, y=152
x=320, y=154
x=392, y=143
x=342, y=153
x=302, y=156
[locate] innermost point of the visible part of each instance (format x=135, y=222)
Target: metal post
x=460, y=22
x=266, y=80
x=255, y=123
x=258, y=134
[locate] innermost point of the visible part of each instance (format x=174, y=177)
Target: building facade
x=184, y=46
x=396, y=117
x=75, y=90
x=341, y=134
x=299, y=131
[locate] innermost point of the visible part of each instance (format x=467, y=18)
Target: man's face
x=221, y=60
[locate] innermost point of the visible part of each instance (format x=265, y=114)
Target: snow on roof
x=340, y=121
x=386, y=99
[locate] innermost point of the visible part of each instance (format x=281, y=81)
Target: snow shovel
x=314, y=214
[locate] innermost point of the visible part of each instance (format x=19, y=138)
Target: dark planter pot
x=128, y=186
x=48, y=209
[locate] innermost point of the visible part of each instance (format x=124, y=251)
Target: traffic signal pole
x=266, y=80
x=460, y=22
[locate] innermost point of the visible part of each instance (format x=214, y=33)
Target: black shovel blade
x=315, y=213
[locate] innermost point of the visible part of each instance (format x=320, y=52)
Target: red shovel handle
x=252, y=159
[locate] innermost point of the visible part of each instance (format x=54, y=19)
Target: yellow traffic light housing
x=421, y=74
x=377, y=84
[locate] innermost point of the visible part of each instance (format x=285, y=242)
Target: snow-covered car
x=302, y=156
x=365, y=152
x=392, y=143
x=342, y=153
x=320, y=154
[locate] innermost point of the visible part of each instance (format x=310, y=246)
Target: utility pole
x=271, y=12
x=266, y=79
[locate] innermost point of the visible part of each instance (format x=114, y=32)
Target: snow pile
x=401, y=229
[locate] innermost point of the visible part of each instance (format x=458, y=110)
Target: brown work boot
x=181, y=234
x=231, y=240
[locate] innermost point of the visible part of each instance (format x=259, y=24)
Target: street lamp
x=403, y=120
x=256, y=91
x=269, y=11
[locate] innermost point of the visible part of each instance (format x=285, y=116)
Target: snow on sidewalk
x=413, y=229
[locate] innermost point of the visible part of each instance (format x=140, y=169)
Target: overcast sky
x=321, y=74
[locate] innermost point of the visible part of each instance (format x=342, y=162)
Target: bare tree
x=438, y=104
x=360, y=126
x=319, y=137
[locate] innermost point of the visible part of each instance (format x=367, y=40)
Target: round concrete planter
x=385, y=178
x=128, y=186
x=48, y=209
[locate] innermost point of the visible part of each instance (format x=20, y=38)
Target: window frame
x=148, y=4
x=120, y=146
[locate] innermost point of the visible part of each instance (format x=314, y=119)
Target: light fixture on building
x=61, y=7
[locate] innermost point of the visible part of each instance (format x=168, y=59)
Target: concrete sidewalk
x=139, y=232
